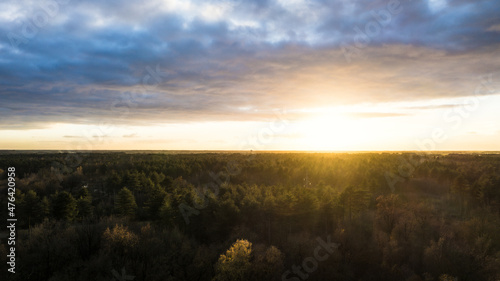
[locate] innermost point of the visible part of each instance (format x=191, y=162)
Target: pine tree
x=354, y=200
x=84, y=203
x=167, y=212
x=125, y=204
x=29, y=206
x=44, y=208
x=84, y=206
x=156, y=199
x=64, y=206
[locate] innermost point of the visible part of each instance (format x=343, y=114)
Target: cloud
x=376, y=114
x=130, y=136
x=155, y=61
x=495, y=27
x=289, y=77
x=429, y=107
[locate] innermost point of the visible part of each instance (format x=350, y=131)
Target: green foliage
x=156, y=200
x=83, y=193
x=167, y=213
x=32, y=208
x=234, y=265
x=64, y=206
x=441, y=221
x=44, y=207
x=354, y=200
x=125, y=203
x=84, y=207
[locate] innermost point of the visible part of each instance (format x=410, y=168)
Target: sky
x=250, y=75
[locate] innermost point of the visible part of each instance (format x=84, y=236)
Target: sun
x=331, y=132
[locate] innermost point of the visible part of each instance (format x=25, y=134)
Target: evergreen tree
x=354, y=200
x=44, y=208
x=31, y=207
x=84, y=206
x=125, y=204
x=64, y=206
x=83, y=193
x=167, y=214
x=156, y=199
x=84, y=203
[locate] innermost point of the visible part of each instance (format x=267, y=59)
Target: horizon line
x=246, y=151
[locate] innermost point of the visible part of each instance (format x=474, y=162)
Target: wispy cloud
x=376, y=114
x=130, y=136
x=429, y=107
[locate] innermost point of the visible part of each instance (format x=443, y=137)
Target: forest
x=123, y=215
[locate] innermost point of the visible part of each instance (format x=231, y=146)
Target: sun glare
x=331, y=131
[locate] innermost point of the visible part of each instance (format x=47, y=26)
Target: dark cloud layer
x=175, y=61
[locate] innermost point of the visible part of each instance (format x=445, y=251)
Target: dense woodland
x=254, y=216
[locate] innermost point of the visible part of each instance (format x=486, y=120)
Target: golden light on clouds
x=464, y=124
